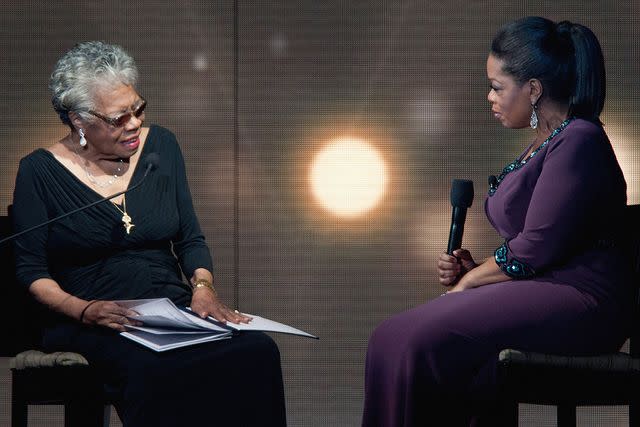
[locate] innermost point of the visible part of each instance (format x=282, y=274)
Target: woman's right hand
x=108, y=314
x=452, y=267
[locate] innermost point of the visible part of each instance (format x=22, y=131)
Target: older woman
x=124, y=249
x=557, y=284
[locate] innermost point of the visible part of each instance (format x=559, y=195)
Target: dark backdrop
x=408, y=77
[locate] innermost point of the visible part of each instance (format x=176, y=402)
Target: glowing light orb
x=348, y=177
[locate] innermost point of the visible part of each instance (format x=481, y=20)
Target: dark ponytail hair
x=565, y=57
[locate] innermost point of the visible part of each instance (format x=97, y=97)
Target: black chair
x=568, y=382
x=61, y=378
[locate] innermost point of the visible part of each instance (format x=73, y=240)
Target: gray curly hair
x=83, y=69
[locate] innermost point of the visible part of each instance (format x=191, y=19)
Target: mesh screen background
x=408, y=77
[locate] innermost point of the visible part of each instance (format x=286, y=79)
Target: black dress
x=89, y=254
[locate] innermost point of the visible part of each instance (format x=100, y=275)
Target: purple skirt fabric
x=426, y=365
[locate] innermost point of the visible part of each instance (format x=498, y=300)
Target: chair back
x=631, y=238
x=19, y=312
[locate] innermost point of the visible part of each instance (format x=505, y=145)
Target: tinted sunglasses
x=123, y=119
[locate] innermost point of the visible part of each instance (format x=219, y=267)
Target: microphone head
x=461, y=193
x=152, y=161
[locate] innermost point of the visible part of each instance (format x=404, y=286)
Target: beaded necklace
x=126, y=219
x=518, y=163
x=92, y=179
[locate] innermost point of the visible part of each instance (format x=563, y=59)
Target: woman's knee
x=264, y=344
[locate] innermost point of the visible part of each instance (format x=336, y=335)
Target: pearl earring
x=533, y=122
x=83, y=140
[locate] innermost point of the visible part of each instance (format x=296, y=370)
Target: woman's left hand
x=451, y=268
x=205, y=303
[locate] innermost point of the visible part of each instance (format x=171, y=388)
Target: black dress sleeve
x=28, y=210
x=189, y=243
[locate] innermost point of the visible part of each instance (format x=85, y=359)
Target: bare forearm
x=485, y=273
x=49, y=293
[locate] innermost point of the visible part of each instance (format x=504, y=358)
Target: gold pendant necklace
x=126, y=219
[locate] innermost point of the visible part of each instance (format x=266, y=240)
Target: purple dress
x=570, y=292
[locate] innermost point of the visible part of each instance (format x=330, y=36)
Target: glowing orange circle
x=348, y=177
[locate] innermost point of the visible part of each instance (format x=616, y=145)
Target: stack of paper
x=165, y=326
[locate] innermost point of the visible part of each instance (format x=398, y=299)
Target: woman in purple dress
x=558, y=283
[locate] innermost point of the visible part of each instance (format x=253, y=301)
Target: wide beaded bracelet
x=202, y=283
x=511, y=266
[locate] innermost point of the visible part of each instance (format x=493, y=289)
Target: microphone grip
x=458, y=217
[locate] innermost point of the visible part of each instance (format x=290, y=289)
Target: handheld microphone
x=461, y=199
x=152, y=162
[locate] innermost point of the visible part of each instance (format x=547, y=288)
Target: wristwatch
x=203, y=283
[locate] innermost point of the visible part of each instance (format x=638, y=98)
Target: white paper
x=261, y=324
x=171, y=341
x=162, y=312
x=165, y=326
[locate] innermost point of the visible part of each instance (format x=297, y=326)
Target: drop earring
x=83, y=140
x=533, y=122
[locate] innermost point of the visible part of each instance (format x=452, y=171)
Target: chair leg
x=504, y=415
x=84, y=413
x=566, y=415
x=19, y=407
x=510, y=415
x=634, y=414
x=19, y=413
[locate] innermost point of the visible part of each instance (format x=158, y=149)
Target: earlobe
x=75, y=119
x=535, y=91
